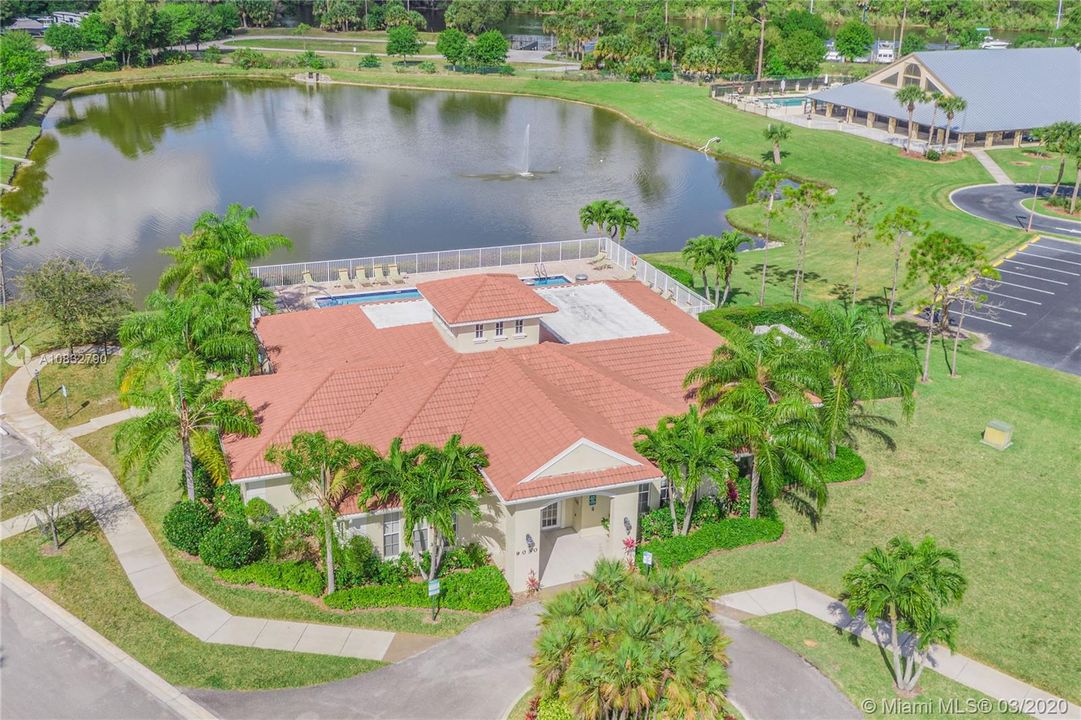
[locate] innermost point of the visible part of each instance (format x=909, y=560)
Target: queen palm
x=595, y=214
x=909, y=96
x=619, y=220
x=218, y=248
x=906, y=586
x=325, y=470
x=660, y=444
x=776, y=133
x=852, y=368
x=950, y=105
x=935, y=98
x=725, y=257
x=765, y=188
x=699, y=253
x=186, y=409
x=784, y=442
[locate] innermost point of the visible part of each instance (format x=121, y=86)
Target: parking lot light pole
x=1035, y=194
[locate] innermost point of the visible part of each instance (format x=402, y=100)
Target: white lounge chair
x=599, y=258
x=393, y=275
x=381, y=277
x=308, y=280
x=343, y=279
x=362, y=278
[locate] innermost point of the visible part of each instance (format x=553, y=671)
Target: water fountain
x=525, y=155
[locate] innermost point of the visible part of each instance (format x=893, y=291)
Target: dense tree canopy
x=22, y=65
x=476, y=16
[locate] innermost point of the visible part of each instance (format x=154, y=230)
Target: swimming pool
x=547, y=281
x=787, y=101
x=369, y=297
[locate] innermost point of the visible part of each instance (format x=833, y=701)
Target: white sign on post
x=647, y=558
x=433, y=588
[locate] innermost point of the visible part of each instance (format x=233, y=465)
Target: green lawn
x=86, y=579
x=29, y=329
x=13, y=506
x=154, y=498
x=91, y=392
x=1013, y=515
x=859, y=671
x=1056, y=212
x=363, y=46
x=1023, y=165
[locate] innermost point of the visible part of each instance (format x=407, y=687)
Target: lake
x=350, y=172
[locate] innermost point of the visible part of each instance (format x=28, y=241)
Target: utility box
x=998, y=435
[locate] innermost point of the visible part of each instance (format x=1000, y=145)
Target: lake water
x=350, y=172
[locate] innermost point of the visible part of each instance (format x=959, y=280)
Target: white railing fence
x=489, y=257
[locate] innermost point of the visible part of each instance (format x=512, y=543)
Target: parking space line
x=1075, y=251
x=996, y=322
x=1034, y=277
x=1041, y=267
x=989, y=306
x=1024, y=287
x=1011, y=297
x=1052, y=259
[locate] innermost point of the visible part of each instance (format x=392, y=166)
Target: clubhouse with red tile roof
x=494, y=364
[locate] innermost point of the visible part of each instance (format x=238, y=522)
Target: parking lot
x=1033, y=313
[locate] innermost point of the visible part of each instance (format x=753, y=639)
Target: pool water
x=371, y=297
x=547, y=281
x=788, y=101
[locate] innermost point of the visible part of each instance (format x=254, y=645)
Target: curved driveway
x=1002, y=204
x=482, y=672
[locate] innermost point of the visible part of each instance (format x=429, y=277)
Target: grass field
x=338, y=46
x=858, y=670
x=91, y=392
x=1023, y=165
x=1042, y=208
x=154, y=498
x=1012, y=515
x=86, y=579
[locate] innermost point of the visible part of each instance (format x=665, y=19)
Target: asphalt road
x=46, y=673
x=1033, y=312
x=1002, y=204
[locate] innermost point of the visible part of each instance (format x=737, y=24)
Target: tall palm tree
x=852, y=368
x=660, y=444
x=445, y=485
x=698, y=252
x=807, y=202
x=909, y=96
x=935, y=98
x=860, y=218
x=619, y=220
x=186, y=409
x=725, y=257
x=776, y=133
x=765, y=189
x=950, y=105
x=218, y=248
x=1057, y=138
x=784, y=442
x=326, y=471
x=906, y=586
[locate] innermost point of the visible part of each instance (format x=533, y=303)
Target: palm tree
x=776, y=133
x=860, y=219
x=1058, y=138
x=186, y=409
x=951, y=105
x=326, y=471
x=595, y=214
x=626, y=645
x=620, y=219
x=698, y=252
x=726, y=255
x=784, y=442
x=935, y=98
x=906, y=586
x=446, y=485
x=909, y=96
x=765, y=188
x=691, y=445
x=898, y=224
x=851, y=368
x=218, y=248
x=766, y=365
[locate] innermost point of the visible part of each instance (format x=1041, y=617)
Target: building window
x=664, y=490
x=391, y=536
x=421, y=533
x=478, y=332
x=891, y=80
x=550, y=516
x=912, y=74
x=932, y=88
x=499, y=329
x=519, y=327
x=643, y=498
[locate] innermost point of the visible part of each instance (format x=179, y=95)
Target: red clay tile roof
x=336, y=372
x=477, y=298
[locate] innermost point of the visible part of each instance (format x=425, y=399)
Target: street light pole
x=1035, y=194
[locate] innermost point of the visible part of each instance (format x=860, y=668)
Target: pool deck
x=304, y=295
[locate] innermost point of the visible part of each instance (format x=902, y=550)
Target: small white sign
x=64, y=390
x=647, y=558
x=433, y=588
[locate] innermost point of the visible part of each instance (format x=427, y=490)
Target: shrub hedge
x=553, y=709
x=186, y=524
x=229, y=544
x=678, y=274
x=846, y=466
x=301, y=577
x=793, y=315
x=481, y=590
x=725, y=534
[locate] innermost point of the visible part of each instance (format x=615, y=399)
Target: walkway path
x=153, y=577
x=991, y=166
x=793, y=595
x=104, y=421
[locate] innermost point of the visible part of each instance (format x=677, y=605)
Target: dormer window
x=478, y=331
x=519, y=327
x=499, y=329
x=912, y=74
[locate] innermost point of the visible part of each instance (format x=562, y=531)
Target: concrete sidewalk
x=153, y=577
x=792, y=595
x=991, y=166
x=104, y=421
